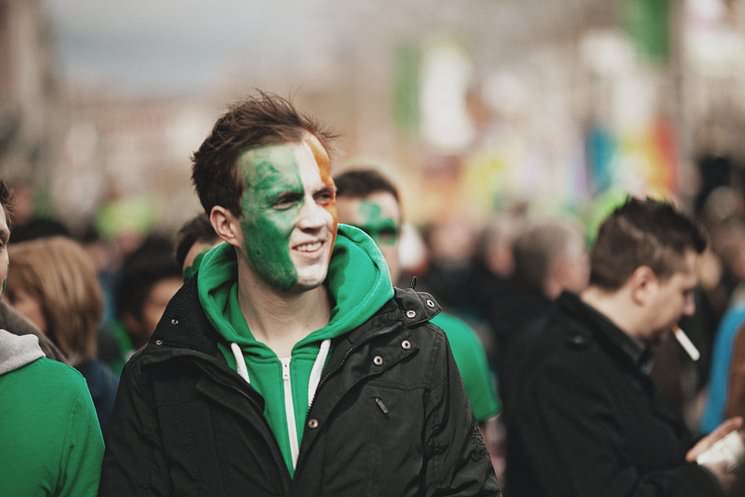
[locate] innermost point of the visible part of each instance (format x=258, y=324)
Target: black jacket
x=586, y=421
x=184, y=424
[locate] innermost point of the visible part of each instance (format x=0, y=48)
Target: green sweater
x=470, y=358
x=359, y=284
x=50, y=440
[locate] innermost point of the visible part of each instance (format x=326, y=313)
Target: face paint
x=324, y=168
x=287, y=225
x=384, y=230
x=379, y=215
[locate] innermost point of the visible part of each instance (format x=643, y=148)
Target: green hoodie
x=50, y=440
x=359, y=283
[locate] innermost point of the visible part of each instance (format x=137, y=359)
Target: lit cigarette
x=686, y=343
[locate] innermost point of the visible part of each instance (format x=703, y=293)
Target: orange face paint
x=324, y=169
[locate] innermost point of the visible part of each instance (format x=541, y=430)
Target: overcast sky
x=175, y=45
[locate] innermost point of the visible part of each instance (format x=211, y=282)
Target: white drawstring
x=313, y=381
x=315, y=372
x=240, y=362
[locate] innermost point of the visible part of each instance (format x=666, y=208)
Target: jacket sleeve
x=456, y=460
x=81, y=463
x=134, y=463
x=567, y=428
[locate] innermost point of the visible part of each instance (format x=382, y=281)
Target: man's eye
x=325, y=197
x=285, y=201
x=389, y=235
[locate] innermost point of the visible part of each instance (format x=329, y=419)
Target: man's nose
x=313, y=216
x=689, y=308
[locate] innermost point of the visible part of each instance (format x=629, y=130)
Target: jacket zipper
x=290, y=409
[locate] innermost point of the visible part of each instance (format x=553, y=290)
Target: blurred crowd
x=97, y=294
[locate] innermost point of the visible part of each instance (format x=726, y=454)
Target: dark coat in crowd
x=586, y=421
x=102, y=384
x=184, y=423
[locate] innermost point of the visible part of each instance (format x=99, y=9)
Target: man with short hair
x=585, y=420
x=289, y=365
x=50, y=439
x=368, y=200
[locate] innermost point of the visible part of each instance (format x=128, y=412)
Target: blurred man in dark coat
x=585, y=420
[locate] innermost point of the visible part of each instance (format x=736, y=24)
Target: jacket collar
x=633, y=352
x=184, y=325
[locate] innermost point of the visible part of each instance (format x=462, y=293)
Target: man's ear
x=226, y=226
x=642, y=283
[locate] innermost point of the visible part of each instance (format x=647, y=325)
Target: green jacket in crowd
x=50, y=439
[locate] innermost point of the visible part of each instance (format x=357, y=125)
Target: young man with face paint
x=288, y=364
x=368, y=200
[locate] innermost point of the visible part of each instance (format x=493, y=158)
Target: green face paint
x=272, y=179
x=287, y=215
x=384, y=230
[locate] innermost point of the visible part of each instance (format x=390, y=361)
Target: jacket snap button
x=174, y=321
x=411, y=314
x=406, y=345
x=430, y=303
x=378, y=360
x=159, y=342
x=313, y=424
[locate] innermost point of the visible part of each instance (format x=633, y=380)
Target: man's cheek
x=331, y=208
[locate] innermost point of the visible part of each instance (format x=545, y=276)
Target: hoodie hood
x=359, y=284
x=17, y=351
x=358, y=281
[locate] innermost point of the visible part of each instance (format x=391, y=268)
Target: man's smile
x=309, y=247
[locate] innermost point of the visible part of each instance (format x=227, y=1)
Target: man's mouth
x=309, y=247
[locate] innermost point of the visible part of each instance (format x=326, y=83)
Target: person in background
x=549, y=258
x=146, y=282
x=289, y=365
x=54, y=285
x=587, y=420
x=50, y=439
x=194, y=238
x=368, y=200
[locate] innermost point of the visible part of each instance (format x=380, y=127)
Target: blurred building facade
x=560, y=103
x=28, y=93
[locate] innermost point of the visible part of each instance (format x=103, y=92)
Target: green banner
x=647, y=23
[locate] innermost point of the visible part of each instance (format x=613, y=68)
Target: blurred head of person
x=368, y=200
x=53, y=283
x=148, y=278
x=550, y=255
x=643, y=267
x=194, y=237
x=497, y=244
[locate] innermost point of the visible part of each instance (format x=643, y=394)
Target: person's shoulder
x=557, y=343
x=54, y=375
x=457, y=330
x=50, y=384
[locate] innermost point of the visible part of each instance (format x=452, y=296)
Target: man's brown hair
x=263, y=119
x=60, y=276
x=642, y=232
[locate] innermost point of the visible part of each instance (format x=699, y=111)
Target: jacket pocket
x=396, y=438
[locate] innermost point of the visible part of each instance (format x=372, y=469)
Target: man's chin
x=310, y=281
